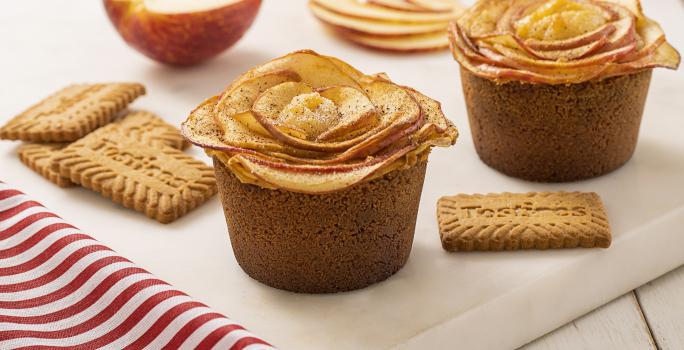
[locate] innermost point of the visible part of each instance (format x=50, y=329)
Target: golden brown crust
x=161, y=181
x=322, y=243
x=555, y=133
x=508, y=221
x=71, y=113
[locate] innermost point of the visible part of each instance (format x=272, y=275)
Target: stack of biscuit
x=84, y=135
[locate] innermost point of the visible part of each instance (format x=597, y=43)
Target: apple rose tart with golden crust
x=555, y=89
x=320, y=169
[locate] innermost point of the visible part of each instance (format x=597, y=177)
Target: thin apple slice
x=652, y=37
x=357, y=113
x=402, y=5
x=482, y=18
x=309, y=178
x=247, y=119
x=500, y=73
x=398, y=106
x=577, y=41
x=346, y=68
x=409, y=43
x=373, y=28
x=271, y=102
x=567, y=54
x=436, y=5
x=353, y=8
x=633, y=6
x=201, y=129
x=508, y=47
x=241, y=100
x=317, y=70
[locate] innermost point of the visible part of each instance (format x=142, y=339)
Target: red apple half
x=179, y=32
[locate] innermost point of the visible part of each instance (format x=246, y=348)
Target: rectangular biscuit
x=143, y=126
x=161, y=181
x=71, y=113
x=508, y=221
x=148, y=128
x=38, y=157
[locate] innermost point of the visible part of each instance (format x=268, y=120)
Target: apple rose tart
x=320, y=170
x=555, y=89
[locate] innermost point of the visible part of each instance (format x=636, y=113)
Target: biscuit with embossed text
x=508, y=221
x=162, y=182
x=143, y=126
x=71, y=113
x=149, y=128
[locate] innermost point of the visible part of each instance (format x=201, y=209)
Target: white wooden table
x=650, y=317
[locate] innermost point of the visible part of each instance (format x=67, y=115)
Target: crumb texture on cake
x=556, y=133
x=311, y=123
x=322, y=243
x=558, y=41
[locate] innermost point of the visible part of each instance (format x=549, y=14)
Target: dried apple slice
x=374, y=28
x=436, y=5
x=357, y=113
x=346, y=68
x=201, y=129
x=402, y=5
x=240, y=100
x=316, y=70
x=409, y=43
x=577, y=41
x=247, y=119
x=271, y=102
x=309, y=178
x=508, y=47
x=398, y=106
x=353, y=8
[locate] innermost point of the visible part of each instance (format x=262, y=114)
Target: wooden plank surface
x=662, y=302
x=617, y=325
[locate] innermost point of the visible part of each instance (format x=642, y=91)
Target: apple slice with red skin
x=311, y=178
x=372, y=28
x=416, y=5
x=357, y=112
x=403, y=44
x=399, y=107
x=353, y=8
x=232, y=104
x=501, y=73
x=179, y=36
x=401, y=5
x=435, y=5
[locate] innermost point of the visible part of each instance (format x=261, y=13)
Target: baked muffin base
x=324, y=243
x=556, y=133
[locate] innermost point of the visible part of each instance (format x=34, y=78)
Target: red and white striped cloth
x=60, y=288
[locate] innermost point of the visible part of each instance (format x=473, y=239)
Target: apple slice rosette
x=313, y=124
x=558, y=41
x=389, y=25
